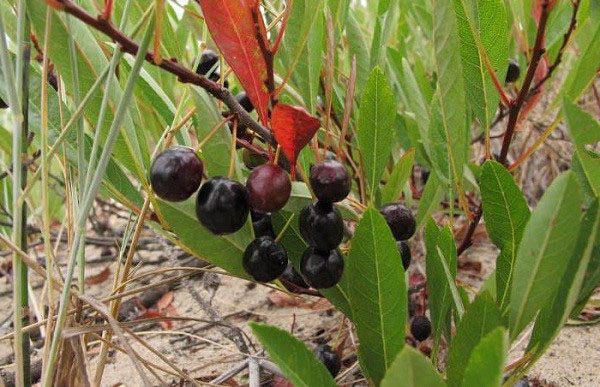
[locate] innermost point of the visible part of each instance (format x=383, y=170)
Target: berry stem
x=232, y=155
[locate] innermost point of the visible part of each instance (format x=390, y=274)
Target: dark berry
x=292, y=276
x=3, y=104
x=321, y=270
x=405, y=253
x=244, y=100
x=330, y=181
x=513, y=73
x=400, y=220
x=176, y=174
x=329, y=358
x=424, y=176
x=222, y=205
x=208, y=60
x=262, y=225
x=216, y=77
x=265, y=259
x=251, y=159
x=420, y=328
x=321, y=226
x=269, y=188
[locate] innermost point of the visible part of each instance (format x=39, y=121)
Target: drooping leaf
x=293, y=128
x=506, y=213
x=547, y=240
x=296, y=361
x=402, y=170
x=585, y=131
x=377, y=294
x=376, y=125
x=486, y=363
x=553, y=316
x=412, y=369
x=448, y=130
x=481, y=317
x=235, y=30
x=430, y=199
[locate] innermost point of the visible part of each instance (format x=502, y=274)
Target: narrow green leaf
x=554, y=315
x=378, y=294
x=486, y=364
x=376, y=124
x=358, y=49
x=430, y=199
x=506, y=213
x=402, y=170
x=412, y=369
x=483, y=33
x=580, y=78
x=296, y=361
x=548, y=238
x=448, y=130
x=482, y=317
x=585, y=131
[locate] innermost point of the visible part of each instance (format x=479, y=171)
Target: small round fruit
x=216, y=77
x=321, y=270
x=400, y=220
x=269, y=188
x=292, y=276
x=329, y=358
x=208, y=60
x=330, y=181
x=262, y=225
x=513, y=73
x=322, y=226
x=244, y=101
x=405, y=253
x=420, y=328
x=222, y=205
x=265, y=259
x=176, y=174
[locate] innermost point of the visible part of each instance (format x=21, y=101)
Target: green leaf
x=548, y=238
x=378, y=294
x=440, y=294
x=482, y=317
x=506, y=213
x=585, y=131
x=376, y=124
x=412, y=369
x=223, y=251
x=358, y=49
x=448, y=130
x=554, y=315
x=430, y=199
x=483, y=32
x=296, y=361
x=486, y=364
x=402, y=170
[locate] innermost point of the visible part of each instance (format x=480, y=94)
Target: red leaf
x=232, y=27
x=293, y=128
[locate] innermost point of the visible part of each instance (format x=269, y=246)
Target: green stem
x=88, y=200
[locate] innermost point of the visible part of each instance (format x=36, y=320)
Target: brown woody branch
x=183, y=74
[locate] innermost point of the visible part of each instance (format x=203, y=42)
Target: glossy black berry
x=208, y=60
x=400, y=220
x=293, y=277
x=329, y=358
x=321, y=270
x=265, y=259
x=216, y=77
x=262, y=225
x=269, y=188
x=222, y=205
x=176, y=174
x=420, y=328
x=321, y=226
x=244, y=100
x=405, y=253
x=330, y=181
x=513, y=73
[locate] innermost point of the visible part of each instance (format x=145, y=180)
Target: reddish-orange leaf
x=98, y=278
x=293, y=128
x=231, y=25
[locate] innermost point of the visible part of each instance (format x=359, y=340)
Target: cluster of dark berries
x=403, y=225
x=322, y=226
x=223, y=205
